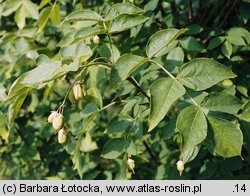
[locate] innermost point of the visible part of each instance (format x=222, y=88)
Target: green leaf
x=16, y=97
x=20, y=17
x=171, y=46
x=130, y=103
x=96, y=96
x=87, y=145
x=43, y=3
x=96, y=76
x=28, y=32
x=16, y=105
x=68, y=52
x=55, y=16
x=124, y=167
x=31, y=9
x=119, y=124
x=191, y=96
x=194, y=29
x=23, y=8
x=151, y=5
x=169, y=129
x=36, y=78
x=50, y=12
x=40, y=74
x=4, y=133
x=83, y=52
x=236, y=40
x=190, y=154
x=202, y=73
x=79, y=52
x=235, y=36
x=243, y=90
x=222, y=102
x=16, y=89
x=78, y=162
x=175, y=57
x=122, y=8
x=67, y=39
x=76, y=52
x=131, y=149
x=191, y=44
x=115, y=147
x=164, y=92
x=228, y=137
x=162, y=39
x=245, y=115
x=125, y=21
x=83, y=15
x=227, y=49
x=110, y=52
x=11, y=6
x=124, y=66
x=43, y=18
x=86, y=32
x=137, y=128
x=192, y=125
x=22, y=45
x=215, y=42
x=88, y=110
x=3, y=95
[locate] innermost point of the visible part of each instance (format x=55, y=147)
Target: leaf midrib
x=197, y=109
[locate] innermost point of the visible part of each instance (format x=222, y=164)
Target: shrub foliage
x=134, y=86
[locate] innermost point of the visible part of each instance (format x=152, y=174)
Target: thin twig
x=107, y=106
x=134, y=82
x=100, y=64
x=166, y=71
x=230, y=10
x=191, y=98
x=60, y=109
x=190, y=11
x=150, y=152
